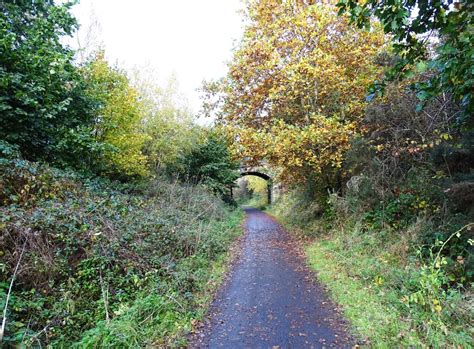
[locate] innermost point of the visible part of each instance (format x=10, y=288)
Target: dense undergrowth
x=402, y=273
x=106, y=264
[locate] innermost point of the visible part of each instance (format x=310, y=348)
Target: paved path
x=270, y=299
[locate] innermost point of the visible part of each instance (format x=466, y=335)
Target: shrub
x=94, y=250
x=211, y=164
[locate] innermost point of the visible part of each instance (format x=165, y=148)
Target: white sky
x=189, y=38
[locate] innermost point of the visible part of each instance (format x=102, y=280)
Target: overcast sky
x=191, y=38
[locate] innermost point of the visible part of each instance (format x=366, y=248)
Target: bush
x=211, y=164
x=93, y=254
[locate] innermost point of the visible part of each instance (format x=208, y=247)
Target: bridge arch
x=263, y=176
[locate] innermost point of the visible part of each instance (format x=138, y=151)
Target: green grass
x=364, y=307
x=387, y=293
x=368, y=276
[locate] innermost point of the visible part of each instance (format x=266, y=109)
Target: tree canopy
x=296, y=87
x=118, y=118
x=42, y=100
x=89, y=114
x=427, y=35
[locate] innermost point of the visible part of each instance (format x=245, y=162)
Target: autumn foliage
x=295, y=92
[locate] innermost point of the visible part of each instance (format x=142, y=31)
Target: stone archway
x=263, y=176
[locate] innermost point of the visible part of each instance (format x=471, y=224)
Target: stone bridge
x=257, y=171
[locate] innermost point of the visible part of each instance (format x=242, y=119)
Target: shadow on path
x=270, y=299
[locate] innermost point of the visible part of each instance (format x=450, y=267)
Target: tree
x=43, y=107
x=168, y=124
x=211, y=164
x=118, y=117
x=415, y=25
x=295, y=91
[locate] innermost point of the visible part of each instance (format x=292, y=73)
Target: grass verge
x=390, y=296
x=377, y=324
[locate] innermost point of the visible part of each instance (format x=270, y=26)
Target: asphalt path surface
x=270, y=298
